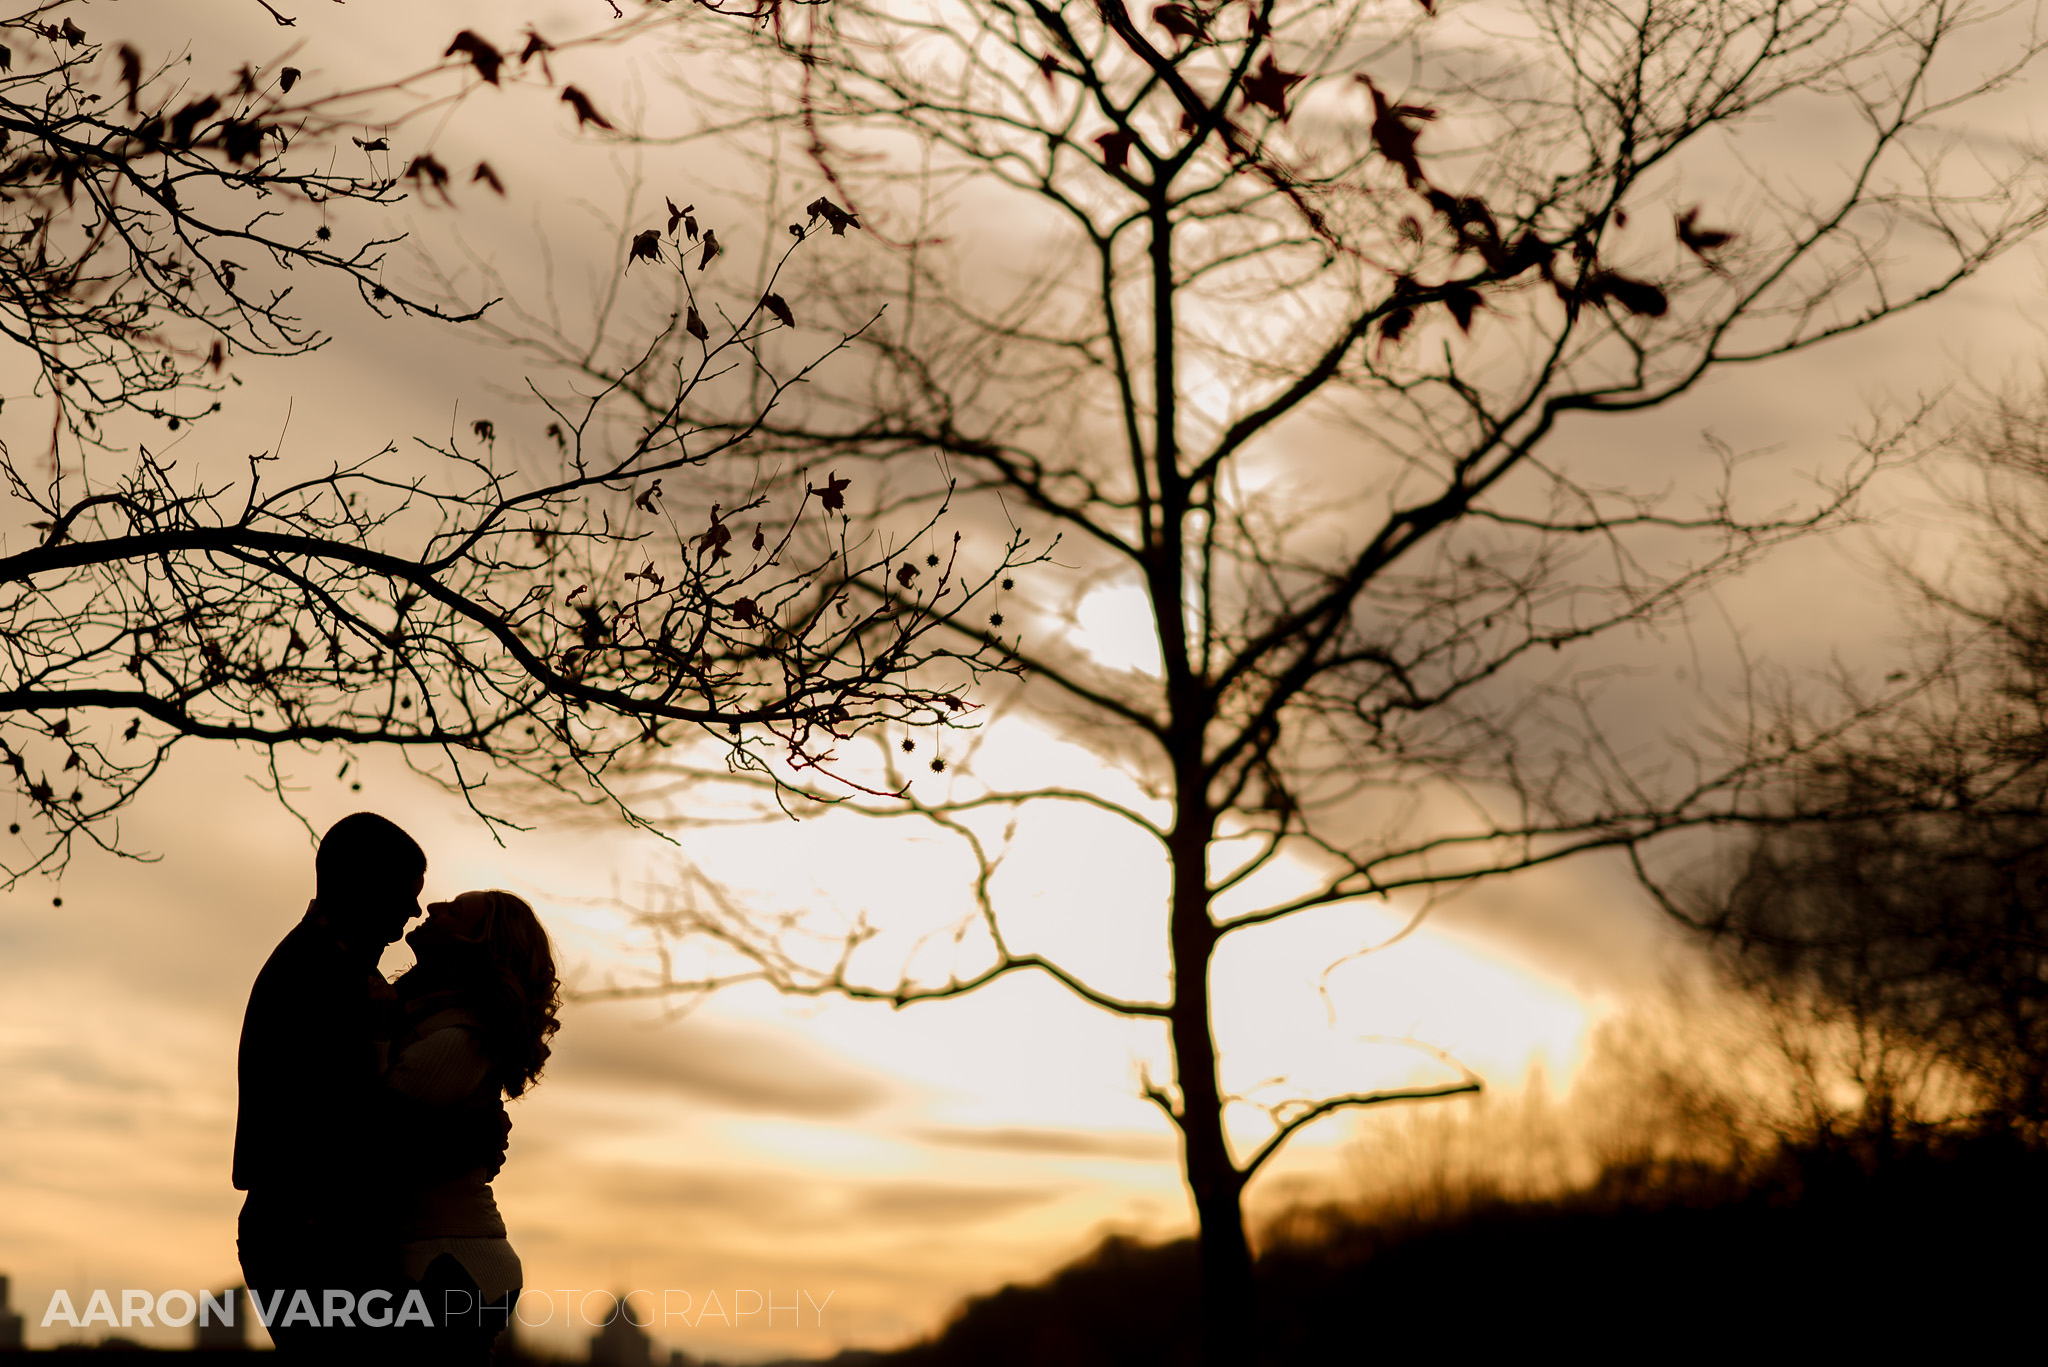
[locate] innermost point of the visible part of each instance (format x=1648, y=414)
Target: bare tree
x=474, y=610
x=131, y=189
x=1904, y=955
x=1903, y=891
x=1287, y=317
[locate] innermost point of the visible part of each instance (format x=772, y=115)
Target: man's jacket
x=320, y=1143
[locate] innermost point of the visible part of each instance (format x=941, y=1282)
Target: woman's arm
x=427, y=1125
x=441, y=1068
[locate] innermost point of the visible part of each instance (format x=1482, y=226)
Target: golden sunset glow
x=900, y=1160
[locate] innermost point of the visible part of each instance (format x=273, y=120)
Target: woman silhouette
x=479, y=1005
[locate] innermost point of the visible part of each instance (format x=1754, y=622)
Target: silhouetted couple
x=372, y=1114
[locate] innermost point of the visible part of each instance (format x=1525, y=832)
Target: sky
x=859, y=1168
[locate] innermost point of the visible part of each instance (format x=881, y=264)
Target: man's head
x=370, y=874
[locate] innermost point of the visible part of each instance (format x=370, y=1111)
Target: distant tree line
x=1903, y=903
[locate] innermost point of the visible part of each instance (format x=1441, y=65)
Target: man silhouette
x=318, y=1142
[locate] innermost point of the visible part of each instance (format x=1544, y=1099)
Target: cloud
x=943, y=1203
x=813, y=1205
x=735, y=1066
x=1148, y=1148
x=83, y=1070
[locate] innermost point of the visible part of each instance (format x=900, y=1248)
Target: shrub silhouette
x=1826, y=1243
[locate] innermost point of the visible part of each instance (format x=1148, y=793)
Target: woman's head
x=491, y=948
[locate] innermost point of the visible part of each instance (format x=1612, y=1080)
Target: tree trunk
x=1229, y=1293
x=1229, y=1310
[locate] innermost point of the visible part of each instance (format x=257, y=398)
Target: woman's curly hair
x=509, y=981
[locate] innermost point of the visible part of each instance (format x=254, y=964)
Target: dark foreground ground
x=1821, y=1255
